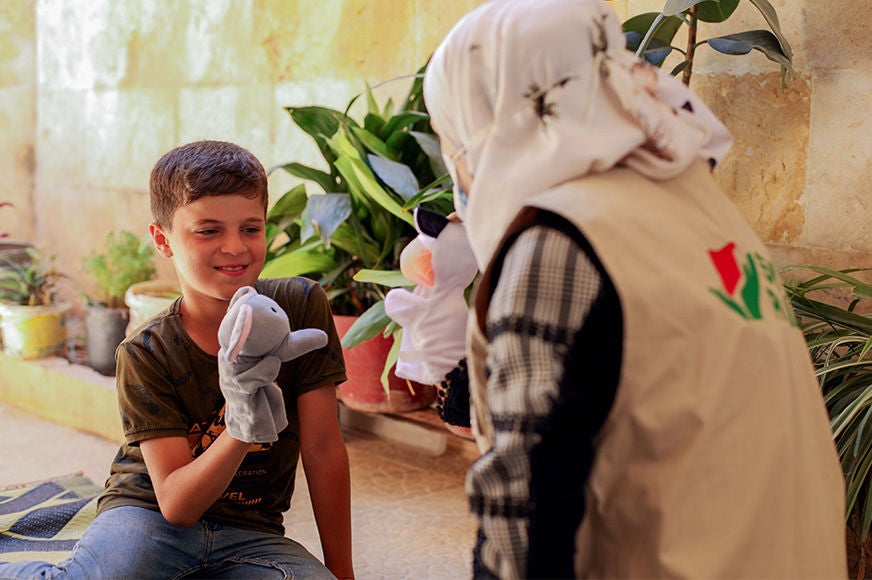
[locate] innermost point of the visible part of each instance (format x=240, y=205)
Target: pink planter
x=363, y=390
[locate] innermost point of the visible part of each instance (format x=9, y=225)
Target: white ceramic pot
x=145, y=299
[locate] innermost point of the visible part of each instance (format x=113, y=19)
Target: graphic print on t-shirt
x=202, y=435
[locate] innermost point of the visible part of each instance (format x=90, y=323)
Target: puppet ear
x=429, y=222
x=241, y=331
x=416, y=263
x=240, y=295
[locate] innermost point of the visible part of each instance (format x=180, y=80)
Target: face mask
x=461, y=200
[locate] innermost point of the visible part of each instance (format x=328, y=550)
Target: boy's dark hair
x=203, y=169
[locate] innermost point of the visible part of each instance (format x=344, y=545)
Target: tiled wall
x=91, y=93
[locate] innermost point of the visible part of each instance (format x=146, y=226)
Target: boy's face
x=218, y=245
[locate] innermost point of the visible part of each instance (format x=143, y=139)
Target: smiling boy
x=184, y=497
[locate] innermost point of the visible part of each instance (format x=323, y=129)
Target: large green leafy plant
x=347, y=223
x=651, y=35
x=831, y=306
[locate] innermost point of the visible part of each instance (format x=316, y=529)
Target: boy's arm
x=187, y=487
x=325, y=462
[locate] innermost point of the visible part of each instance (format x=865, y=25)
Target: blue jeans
x=132, y=542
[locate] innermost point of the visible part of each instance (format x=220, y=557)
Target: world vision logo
x=747, y=289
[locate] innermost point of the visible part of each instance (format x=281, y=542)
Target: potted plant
x=347, y=232
x=832, y=307
x=33, y=324
x=651, y=34
x=124, y=261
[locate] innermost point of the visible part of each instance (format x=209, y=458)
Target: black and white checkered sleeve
x=545, y=290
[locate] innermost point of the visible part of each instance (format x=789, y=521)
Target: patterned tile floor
x=409, y=508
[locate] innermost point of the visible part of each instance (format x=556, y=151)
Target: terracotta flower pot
x=363, y=390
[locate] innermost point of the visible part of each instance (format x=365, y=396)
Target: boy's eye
x=207, y=232
x=252, y=230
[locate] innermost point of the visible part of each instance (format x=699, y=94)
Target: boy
x=184, y=497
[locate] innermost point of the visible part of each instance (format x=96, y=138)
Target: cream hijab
x=533, y=93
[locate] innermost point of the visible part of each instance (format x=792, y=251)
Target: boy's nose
x=233, y=244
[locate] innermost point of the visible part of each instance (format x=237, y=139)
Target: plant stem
x=691, y=43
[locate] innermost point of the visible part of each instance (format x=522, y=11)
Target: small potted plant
x=124, y=261
x=33, y=323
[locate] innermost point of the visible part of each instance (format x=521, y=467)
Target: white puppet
x=433, y=316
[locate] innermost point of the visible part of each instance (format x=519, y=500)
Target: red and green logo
x=745, y=288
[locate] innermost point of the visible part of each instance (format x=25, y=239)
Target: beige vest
x=717, y=459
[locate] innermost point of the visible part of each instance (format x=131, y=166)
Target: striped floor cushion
x=43, y=520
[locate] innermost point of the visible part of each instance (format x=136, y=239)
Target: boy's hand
x=255, y=338
x=254, y=409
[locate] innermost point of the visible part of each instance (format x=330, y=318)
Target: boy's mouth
x=233, y=269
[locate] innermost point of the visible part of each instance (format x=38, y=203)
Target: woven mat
x=43, y=520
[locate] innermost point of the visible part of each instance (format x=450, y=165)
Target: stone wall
x=92, y=93
x=17, y=116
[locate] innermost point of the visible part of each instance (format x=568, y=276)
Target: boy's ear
x=160, y=240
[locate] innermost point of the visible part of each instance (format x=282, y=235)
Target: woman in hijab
x=644, y=402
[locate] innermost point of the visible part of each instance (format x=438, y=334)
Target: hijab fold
x=534, y=93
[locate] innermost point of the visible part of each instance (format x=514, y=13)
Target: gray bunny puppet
x=256, y=338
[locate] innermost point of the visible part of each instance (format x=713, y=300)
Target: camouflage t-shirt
x=168, y=387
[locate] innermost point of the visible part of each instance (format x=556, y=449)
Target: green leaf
x=297, y=264
x=390, y=361
x=324, y=180
x=400, y=122
x=415, y=98
x=388, y=108
x=291, y=203
x=362, y=182
x=367, y=326
x=771, y=18
x=324, y=214
x=389, y=278
x=395, y=175
x=316, y=121
x=656, y=52
x=716, y=10
x=371, y=106
x=674, y=7
x=829, y=273
x=435, y=190
x=832, y=314
x=357, y=244
x=373, y=143
x=643, y=22
x=651, y=34
x=430, y=146
x=744, y=42
x=373, y=123
x=679, y=68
